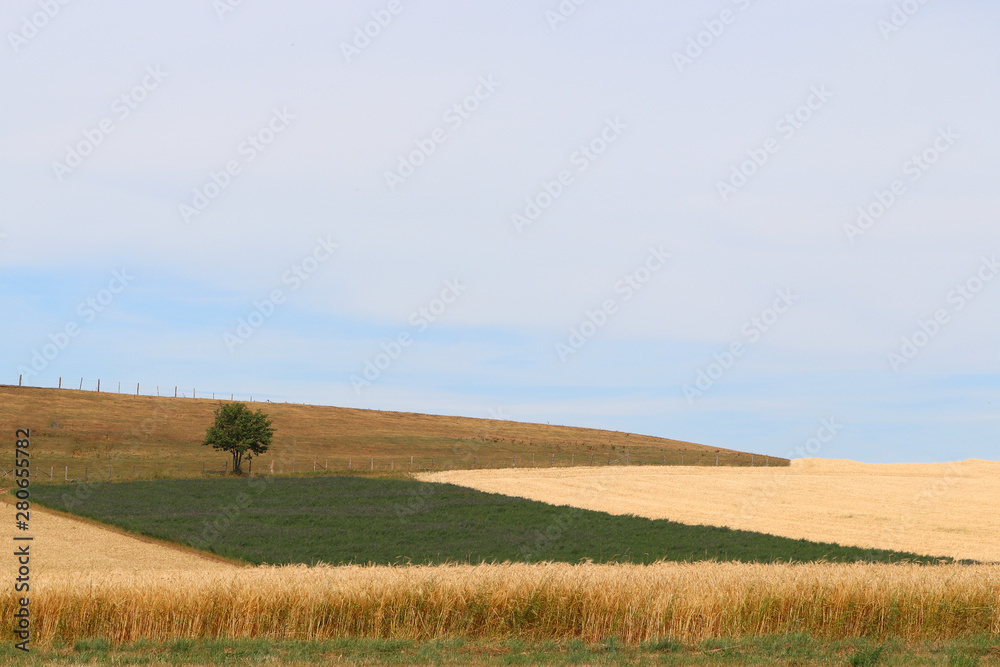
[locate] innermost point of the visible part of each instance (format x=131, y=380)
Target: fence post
x=52, y=471
x=411, y=464
x=373, y=463
x=60, y=382
x=81, y=384
x=751, y=460
x=20, y=380
x=136, y=388
x=473, y=461
x=348, y=464
x=717, y=459
x=98, y=385
x=67, y=473
x=591, y=459
x=515, y=460
x=553, y=459
x=119, y=386
x=175, y=391
x=314, y=465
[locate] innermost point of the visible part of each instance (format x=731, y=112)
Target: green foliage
x=867, y=656
x=240, y=432
x=337, y=520
x=764, y=651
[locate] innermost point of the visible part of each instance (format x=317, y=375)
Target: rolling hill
x=100, y=433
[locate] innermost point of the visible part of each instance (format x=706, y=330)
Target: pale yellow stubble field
x=66, y=546
x=941, y=509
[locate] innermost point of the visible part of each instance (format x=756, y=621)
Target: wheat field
x=942, y=509
x=634, y=603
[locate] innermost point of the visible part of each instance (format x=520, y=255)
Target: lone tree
x=240, y=432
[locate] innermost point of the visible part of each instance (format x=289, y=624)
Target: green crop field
x=341, y=519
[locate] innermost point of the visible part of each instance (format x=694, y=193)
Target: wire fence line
x=167, y=392
x=125, y=470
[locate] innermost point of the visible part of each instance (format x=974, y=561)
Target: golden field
x=64, y=545
x=537, y=601
x=945, y=509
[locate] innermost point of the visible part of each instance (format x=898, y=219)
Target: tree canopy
x=240, y=432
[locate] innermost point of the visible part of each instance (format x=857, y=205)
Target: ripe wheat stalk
x=634, y=603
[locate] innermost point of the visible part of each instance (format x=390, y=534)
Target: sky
x=763, y=225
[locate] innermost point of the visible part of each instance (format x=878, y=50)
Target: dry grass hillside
x=78, y=428
x=946, y=508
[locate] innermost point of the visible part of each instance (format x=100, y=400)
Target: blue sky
x=636, y=216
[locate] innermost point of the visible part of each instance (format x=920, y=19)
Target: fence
x=123, y=471
x=165, y=394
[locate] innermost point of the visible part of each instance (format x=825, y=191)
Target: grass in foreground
x=540, y=602
x=797, y=650
x=342, y=520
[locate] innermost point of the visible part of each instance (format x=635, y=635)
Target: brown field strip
x=68, y=546
x=537, y=601
x=946, y=509
x=100, y=433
